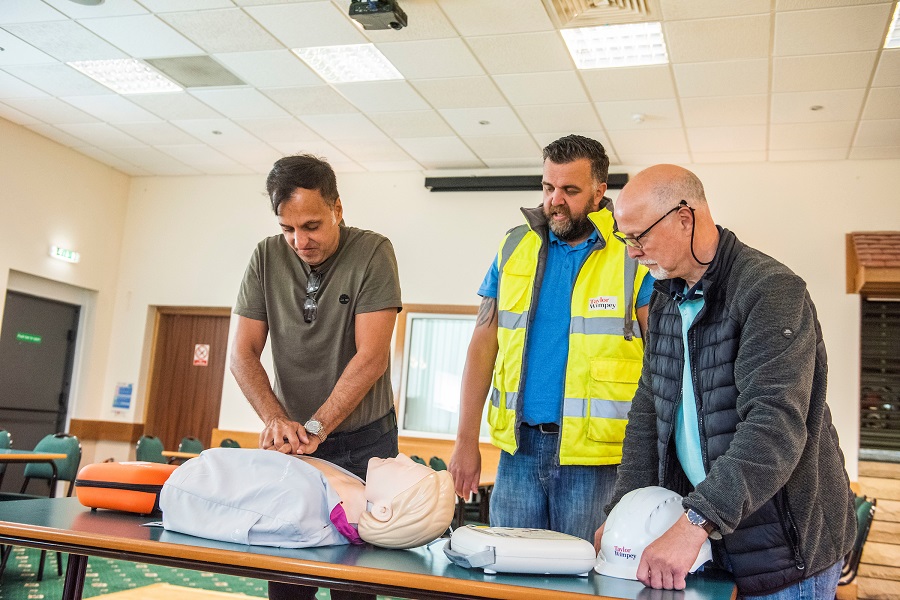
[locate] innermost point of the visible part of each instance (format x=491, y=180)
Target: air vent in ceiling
x=591, y=13
x=195, y=71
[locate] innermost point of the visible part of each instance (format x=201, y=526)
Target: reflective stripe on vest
x=606, y=409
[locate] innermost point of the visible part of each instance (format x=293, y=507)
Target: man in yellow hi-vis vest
x=560, y=334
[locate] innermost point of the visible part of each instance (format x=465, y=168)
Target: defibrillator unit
x=520, y=550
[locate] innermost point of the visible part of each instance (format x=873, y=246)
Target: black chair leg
x=59, y=563
x=7, y=550
x=40, y=576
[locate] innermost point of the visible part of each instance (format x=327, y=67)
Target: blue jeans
x=533, y=490
x=818, y=587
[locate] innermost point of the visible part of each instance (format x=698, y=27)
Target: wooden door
x=187, y=369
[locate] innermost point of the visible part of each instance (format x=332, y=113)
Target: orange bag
x=127, y=486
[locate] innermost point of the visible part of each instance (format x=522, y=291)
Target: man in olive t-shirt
x=327, y=296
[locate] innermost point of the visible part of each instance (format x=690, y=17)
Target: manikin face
x=387, y=477
x=310, y=227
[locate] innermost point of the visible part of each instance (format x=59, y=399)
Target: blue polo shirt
x=547, y=343
x=687, y=425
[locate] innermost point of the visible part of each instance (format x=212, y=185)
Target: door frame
x=157, y=314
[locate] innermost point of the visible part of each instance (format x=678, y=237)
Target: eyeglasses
x=635, y=242
x=309, y=305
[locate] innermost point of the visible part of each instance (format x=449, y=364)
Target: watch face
x=313, y=427
x=695, y=518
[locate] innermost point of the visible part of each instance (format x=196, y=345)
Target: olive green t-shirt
x=309, y=358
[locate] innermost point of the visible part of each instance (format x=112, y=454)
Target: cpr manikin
x=260, y=497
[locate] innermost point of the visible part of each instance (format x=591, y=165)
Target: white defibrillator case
x=520, y=550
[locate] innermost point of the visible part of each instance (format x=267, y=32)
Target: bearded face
x=567, y=226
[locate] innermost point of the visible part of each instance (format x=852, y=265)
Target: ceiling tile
x=837, y=105
x=269, y=68
x=731, y=38
x=432, y=58
x=111, y=161
x=343, y=127
x=727, y=139
x=157, y=134
x=462, y=92
x=888, y=72
x=544, y=139
x=17, y=116
x=845, y=71
x=159, y=6
x=506, y=163
x=202, y=158
x=176, y=105
x=883, y=103
x=99, y=134
x=798, y=136
x=559, y=117
x=77, y=10
x=310, y=100
x=58, y=79
x=428, y=23
x=729, y=157
x=725, y=110
x=332, y=27
x=391, y=166
x=785, y=5
x=831, y=30
x=50, y=110
x=881, y=132
x=556, y=87
x=215, y=131
x=636, y=141
x=629, y=83
x=731, y=78
x=503, y=146
x=675, y=10
x=152, y=160
x=483, y=121
x=319, y=148
x=13, y=87
x=870, y=152
x=27, y=12
x=17, y=52
x=372, y=150
x=644, y=159
x=423, y=123
x=142, y=36
x=522, y=53
x=653, y=114
x=382, y=96
x=240, y=103
x=448, y=152
x=286, y=129
x=65, y=40
x=808, y=154
x=111, y=108
x=223, y=30
x=58, y=136
x=490, y=17
x=253, y=153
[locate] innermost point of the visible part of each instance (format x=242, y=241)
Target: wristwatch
x=316, y=428
x=699, y=520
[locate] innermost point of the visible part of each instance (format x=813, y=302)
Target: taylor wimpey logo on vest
x=623, y=552
x=603, y=303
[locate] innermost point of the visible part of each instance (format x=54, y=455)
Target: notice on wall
x=201, y=355
x=123, y=395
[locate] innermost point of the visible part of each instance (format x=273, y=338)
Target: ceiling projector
x=378, y=14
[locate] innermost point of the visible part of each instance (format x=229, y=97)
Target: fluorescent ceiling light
x=126, y=76
x=355, y=62
x=607, y=46
x=893, y=36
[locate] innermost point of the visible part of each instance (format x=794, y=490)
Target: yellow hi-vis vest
x=605, y=350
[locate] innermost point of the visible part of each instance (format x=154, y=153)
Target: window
x=434, y=341
x=880, y=376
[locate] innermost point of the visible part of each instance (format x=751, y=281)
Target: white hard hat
x=639, y=518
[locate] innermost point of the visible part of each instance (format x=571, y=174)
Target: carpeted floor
x=107, y=576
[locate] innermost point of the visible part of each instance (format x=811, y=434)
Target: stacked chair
x=149, y=449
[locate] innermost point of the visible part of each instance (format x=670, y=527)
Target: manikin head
x=410, y=504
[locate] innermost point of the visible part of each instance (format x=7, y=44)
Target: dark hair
x=573, y=147
x=301, y=171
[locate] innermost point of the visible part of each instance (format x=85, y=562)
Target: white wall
x=51, y=195
x=187, y=241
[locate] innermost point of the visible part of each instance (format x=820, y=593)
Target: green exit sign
x=28, y=337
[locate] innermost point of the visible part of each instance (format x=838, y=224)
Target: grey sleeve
x=381, y=284
x=251, y=300
x=774, y=373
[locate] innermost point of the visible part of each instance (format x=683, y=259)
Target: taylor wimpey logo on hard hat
x=603, y=303
x=623, y=552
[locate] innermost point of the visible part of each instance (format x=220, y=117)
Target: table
x=8, y=456
x=62, y=524
x=179, y=455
